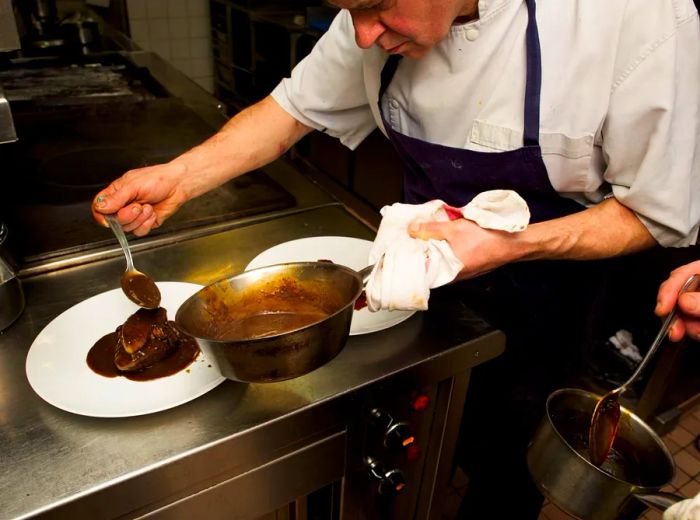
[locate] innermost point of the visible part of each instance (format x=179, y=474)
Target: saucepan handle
x=364, y=273
x=660, y=501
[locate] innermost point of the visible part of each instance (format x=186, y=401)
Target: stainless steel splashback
x=7, y=125
x=9, y=36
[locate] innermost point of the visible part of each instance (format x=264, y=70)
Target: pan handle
x=364, y=274
x=660, y=501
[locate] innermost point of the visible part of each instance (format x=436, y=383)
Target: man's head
x=407, y=27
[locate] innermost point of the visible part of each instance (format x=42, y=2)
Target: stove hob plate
x=42, y=231
x=64, y=157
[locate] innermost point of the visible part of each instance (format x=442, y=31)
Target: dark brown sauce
x=100, y=359
x=603, y=430
x=141, y=289
x=270, y=323
x=622, y=461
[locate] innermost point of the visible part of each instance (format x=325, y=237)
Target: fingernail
x=136, y=210
x=691, y=303
x=100, y=201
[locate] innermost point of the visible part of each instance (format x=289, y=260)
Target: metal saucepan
x=638, y=466
x=275, y=322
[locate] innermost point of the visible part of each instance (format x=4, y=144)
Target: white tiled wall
x=177, y=30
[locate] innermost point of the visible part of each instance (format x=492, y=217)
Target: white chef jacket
x=620, y=105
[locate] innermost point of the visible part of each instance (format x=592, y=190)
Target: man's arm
x=146, y=197
x=255, y=137
x=606, y=230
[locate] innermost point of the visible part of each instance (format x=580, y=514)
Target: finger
x=146, y=226
x=689, y=303
x=692, y=329
x=427, y=230
x=666, y=298
x=134, y=215
x=676, y=331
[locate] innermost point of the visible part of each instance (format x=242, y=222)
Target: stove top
x=68, y=152
x=63, y=81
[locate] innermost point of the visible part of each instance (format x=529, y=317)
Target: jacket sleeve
x=651, y=135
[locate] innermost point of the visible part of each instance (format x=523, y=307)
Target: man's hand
x=480, y=250
x=144, y=198
x=687, y=322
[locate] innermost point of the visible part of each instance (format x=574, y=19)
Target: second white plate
x=347, y=251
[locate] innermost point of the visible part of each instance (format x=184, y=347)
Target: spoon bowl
x=137, y=286
x=606, y=414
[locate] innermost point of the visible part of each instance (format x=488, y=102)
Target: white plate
x=57, y=369
x=347, y=251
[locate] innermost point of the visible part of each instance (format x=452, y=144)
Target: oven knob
x=391, y=482
x=399, y=436
x=380, y=419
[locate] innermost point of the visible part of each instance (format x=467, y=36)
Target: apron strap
x=533, y=83
x=388, y=71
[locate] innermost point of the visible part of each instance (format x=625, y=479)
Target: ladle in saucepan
x=606, y=414
x=138, y=287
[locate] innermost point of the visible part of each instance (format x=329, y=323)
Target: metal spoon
x=138, y=287
x=606, y=415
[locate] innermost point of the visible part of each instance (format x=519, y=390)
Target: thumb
x=427, y=230
x=111, y=200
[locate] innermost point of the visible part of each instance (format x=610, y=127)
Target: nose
x=367, y=28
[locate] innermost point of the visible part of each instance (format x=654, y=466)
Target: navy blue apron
x=455, y=175
x=519, y=299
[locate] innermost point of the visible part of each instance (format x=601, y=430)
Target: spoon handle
x=121, y=237
x=691, y=284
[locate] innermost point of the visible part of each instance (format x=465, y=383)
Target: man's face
x=407, y=27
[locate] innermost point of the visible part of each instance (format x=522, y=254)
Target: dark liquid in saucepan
x=100, y=359
x=621, y=462
x=268, y=324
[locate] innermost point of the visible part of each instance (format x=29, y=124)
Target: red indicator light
x=420, y=402
x=413, y=452
x=408, y=440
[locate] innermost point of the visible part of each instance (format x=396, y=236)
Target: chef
x=589, y=109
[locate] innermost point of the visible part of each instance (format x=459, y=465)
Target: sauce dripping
x=603, y=429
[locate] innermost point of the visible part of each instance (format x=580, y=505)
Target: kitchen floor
x=681, y=441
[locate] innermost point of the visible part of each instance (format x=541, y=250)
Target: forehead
x=357, y=4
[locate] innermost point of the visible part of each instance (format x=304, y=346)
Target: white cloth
x=688, y=509
x=407, y=268
x=620, y=98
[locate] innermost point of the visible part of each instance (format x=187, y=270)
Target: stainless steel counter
x=70, y=466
